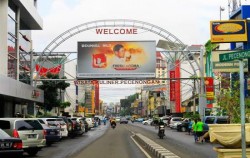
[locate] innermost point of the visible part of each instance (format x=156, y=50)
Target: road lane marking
x=146, y=154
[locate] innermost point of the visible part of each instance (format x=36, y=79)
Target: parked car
x=123, y=120
x=52, y=134
x=10, y=146
x=29, y=130
x=86, y=125
x=147, y=122
x=56, y=123
x=174, y=120
x=183, y=126
x=90, y=122
x=79, y=125
x=69, y=124
x=214, y=120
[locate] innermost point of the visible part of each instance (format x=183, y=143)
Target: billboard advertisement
x=116, y=59
x=228, y=31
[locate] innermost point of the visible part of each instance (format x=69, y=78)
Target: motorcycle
x=161, y=132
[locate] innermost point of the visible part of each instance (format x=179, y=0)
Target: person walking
x=199, y=129
x=190, y=123
x=194, y=127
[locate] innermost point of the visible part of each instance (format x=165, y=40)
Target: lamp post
x=221, y=10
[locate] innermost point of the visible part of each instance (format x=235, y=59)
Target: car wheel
x=145, y=123
x=183, y=129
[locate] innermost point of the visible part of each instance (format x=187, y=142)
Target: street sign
x=234, y=55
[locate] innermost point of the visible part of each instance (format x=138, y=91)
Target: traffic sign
x=234, y=55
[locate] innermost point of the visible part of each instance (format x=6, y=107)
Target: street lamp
x=221, y=10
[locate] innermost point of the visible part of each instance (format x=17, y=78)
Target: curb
x=155, y=149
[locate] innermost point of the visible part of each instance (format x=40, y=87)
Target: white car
x=90, y=122
x=174, y=125
x=174, y=120
x=117, y=119
x=147, y=122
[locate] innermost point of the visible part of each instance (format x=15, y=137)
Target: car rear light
x=18, y=145
x=15, y=133
x=44, y=133
x=74, y=125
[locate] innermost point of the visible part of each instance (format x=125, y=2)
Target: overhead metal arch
x=176, y=44
x=114, y=23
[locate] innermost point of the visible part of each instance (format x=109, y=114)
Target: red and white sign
x=209, y=83
x=172, y=85
x=116, y=59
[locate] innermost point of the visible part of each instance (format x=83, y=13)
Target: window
x=222, y=121
x=28, y=125
x=4, y=124
x=12, y=67
x=210, y=120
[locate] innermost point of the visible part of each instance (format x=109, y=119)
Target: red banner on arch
x=43, y=70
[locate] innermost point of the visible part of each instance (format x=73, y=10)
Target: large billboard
x=116, y=59
x=228, y=31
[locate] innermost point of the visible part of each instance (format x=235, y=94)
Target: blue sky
x=188, y=20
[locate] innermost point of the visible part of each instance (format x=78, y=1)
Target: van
x=216, y=120
x=28, y=129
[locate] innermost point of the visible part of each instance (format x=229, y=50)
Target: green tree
x=65, y=104
x=50, y=88
x=229, y=101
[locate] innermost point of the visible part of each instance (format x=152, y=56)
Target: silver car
x=28, y=129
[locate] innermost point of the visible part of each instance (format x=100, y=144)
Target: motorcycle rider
x=161, y=123
x=112, y=122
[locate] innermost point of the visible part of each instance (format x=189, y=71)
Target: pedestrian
x=190, y=126
x=104, y=120
x=194, y=130
x=199, y=129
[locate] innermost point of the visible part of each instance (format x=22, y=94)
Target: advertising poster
x=116, y=59
x=228, y=31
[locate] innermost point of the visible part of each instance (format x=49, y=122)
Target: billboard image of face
x=116, y=59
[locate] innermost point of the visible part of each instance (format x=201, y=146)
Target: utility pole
x=194, y=89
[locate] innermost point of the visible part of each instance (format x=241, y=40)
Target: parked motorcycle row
x=19, y=135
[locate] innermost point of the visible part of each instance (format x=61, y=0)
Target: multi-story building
x=17, y=95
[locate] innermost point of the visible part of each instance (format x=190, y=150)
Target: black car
x=9, y=146
x=76, y=128
x=183, y=126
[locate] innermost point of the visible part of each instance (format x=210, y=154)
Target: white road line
x=147, y=155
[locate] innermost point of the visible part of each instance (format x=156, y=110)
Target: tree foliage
x=51, y=88
x=65, y=104
x=229, y=101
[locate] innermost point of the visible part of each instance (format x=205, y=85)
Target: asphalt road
x=179, y=143
x=67, y=147
x=104, y=142
x=115, y=143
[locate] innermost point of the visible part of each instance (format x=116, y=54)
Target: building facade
x=17, y=95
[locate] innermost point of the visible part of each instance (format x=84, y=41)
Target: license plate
x=52, y=133
x=31, y=136
x=5, y=145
